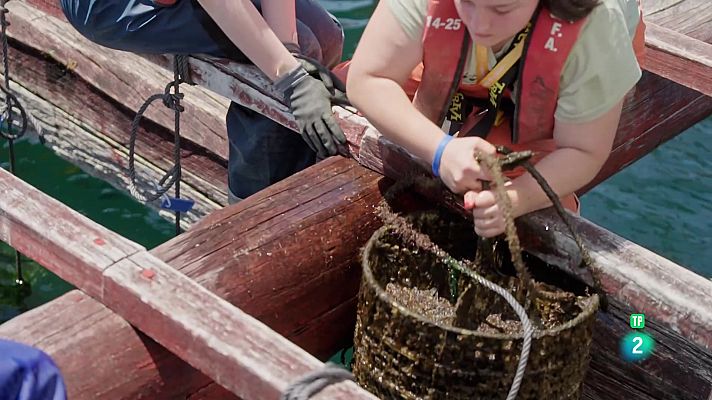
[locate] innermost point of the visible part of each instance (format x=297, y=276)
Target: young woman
x=545, y=75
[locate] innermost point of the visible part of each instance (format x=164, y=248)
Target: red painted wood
x=656, y=112
x=261, y=237
x=101, y=356
x=689, y=73
x=240, y=353
x=115, y=74
x=72, y=246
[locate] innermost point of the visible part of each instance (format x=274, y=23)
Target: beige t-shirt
x=599, y=71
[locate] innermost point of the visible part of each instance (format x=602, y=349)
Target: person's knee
x=308, y=42
x=103, y=22
x=325, y=27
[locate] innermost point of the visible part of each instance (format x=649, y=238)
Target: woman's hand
x=459, y=169
x=488, y=215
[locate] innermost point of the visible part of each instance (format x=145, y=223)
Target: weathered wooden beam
x=102, y=356
x=310, y=297
x=236, y=350
x=678, y=44
x=91, y=129
x=40, y=25
x=58, y=237
x=688, y=17
x=679, y=58
x=100, y=156
x=677, y=304
x=637, y=277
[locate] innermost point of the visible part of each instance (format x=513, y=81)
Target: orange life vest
x=545, y=53
x=434, y=82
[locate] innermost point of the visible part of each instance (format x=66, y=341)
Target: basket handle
x=495, y=166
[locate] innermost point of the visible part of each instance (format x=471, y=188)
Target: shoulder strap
x=444, y=34
x=545, y=54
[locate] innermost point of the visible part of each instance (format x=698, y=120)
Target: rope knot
x=172, y=100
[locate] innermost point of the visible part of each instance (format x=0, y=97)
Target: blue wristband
x=439, y=154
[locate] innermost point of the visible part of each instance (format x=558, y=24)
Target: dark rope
x=172, y=177
x=183, y=66
x=11, y=103
x=586, y=259
x=315, y=381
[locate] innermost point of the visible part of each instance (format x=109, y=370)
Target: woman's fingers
x=486, y=213
x=490, y=232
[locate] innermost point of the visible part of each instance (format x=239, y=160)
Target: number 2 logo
x=636, y=348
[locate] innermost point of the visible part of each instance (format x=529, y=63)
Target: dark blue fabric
x=261, y=152
x=28, y=374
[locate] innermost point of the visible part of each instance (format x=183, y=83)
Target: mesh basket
x=402, y=353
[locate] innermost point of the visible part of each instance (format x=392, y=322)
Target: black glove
x=310, y=103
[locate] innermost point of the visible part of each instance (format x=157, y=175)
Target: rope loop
x=6, y=117
x=314, y=382
x=172, y=100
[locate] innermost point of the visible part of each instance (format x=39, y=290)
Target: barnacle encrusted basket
x=416, y=338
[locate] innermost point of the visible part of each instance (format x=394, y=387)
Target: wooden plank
x=688, y=17
x=677, y=304
x=74, y=329
x=650, y=7
x=59, y=238
x=97, y=65
x=239, y=352
x=290, y=257
x=690, y=74
x=108, y=122
x=100, y=156
x=678, y=44
x=678, y=369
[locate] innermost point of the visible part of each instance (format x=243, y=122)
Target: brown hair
x=571, y=10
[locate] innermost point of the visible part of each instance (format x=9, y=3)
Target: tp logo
x=636, y=346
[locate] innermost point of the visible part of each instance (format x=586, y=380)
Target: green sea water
x=662, y=202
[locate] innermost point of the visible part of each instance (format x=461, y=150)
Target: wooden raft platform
x=682, y=319
x=270, y=256
x=679, y=39
x=222, y=341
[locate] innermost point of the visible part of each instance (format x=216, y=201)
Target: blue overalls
x=261, y=151
x=28, y=374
